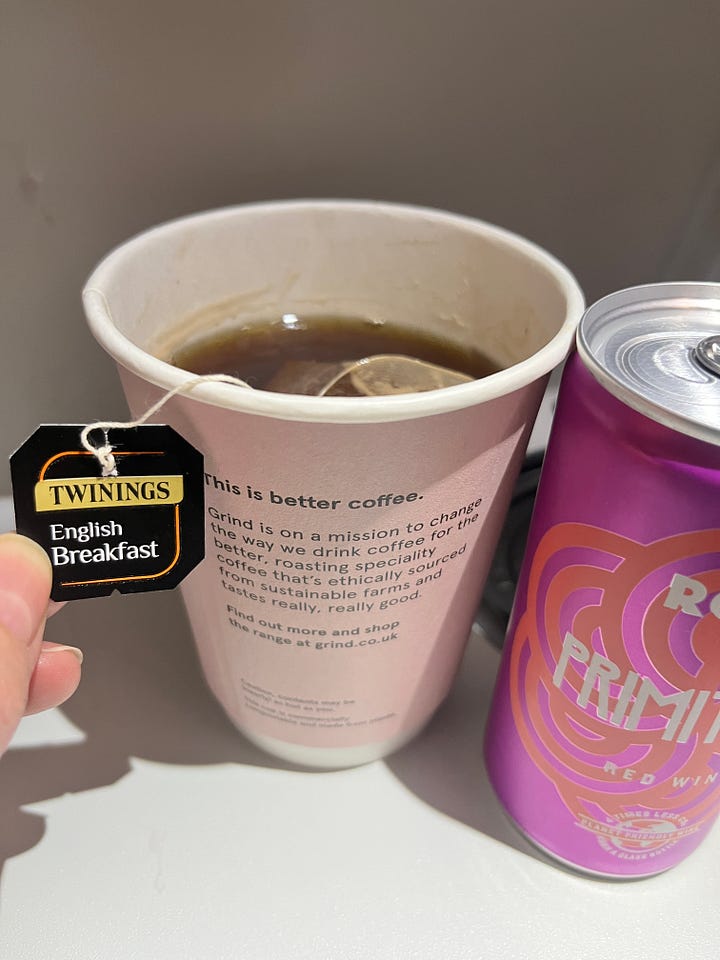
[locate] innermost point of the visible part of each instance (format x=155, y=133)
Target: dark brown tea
x=295, y=354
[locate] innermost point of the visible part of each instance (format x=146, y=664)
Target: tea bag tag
x=124, y=512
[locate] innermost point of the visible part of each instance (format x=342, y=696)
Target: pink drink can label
x=603, y=741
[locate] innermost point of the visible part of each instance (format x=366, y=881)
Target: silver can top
x=657, y=348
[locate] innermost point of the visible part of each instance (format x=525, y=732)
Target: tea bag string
x=104, y=451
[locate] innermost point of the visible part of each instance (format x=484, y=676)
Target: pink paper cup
x=348, y=539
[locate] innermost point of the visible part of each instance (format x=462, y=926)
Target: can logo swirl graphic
x=615, y=682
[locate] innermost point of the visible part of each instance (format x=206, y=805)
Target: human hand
x=34, y=674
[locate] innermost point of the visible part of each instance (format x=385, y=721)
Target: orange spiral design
x=555, y=729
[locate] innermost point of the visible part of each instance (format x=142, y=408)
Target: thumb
x=25, y=580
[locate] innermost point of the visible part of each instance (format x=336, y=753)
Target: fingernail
x=25, y=578
x=53, y=648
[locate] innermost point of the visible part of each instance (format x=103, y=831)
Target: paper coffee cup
x=348, y=539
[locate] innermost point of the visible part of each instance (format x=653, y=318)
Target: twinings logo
x=104, y=547
x=82, y=493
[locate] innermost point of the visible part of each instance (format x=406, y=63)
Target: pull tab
x=707, y=353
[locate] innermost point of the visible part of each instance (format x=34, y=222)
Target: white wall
x=590, y=127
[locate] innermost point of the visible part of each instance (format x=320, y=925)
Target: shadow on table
x=143, y=696
x=444, y=766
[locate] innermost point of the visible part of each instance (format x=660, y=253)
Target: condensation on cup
x=603, y=741
x=348, y=539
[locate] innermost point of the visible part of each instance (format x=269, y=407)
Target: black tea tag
x=140, y=530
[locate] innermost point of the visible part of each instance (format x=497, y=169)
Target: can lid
x=657, y=348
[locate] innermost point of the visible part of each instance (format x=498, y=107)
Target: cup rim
x=334, y=409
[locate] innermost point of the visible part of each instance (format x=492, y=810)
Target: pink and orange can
x=603, y=741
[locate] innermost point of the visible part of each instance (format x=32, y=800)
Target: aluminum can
x=603, y=740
